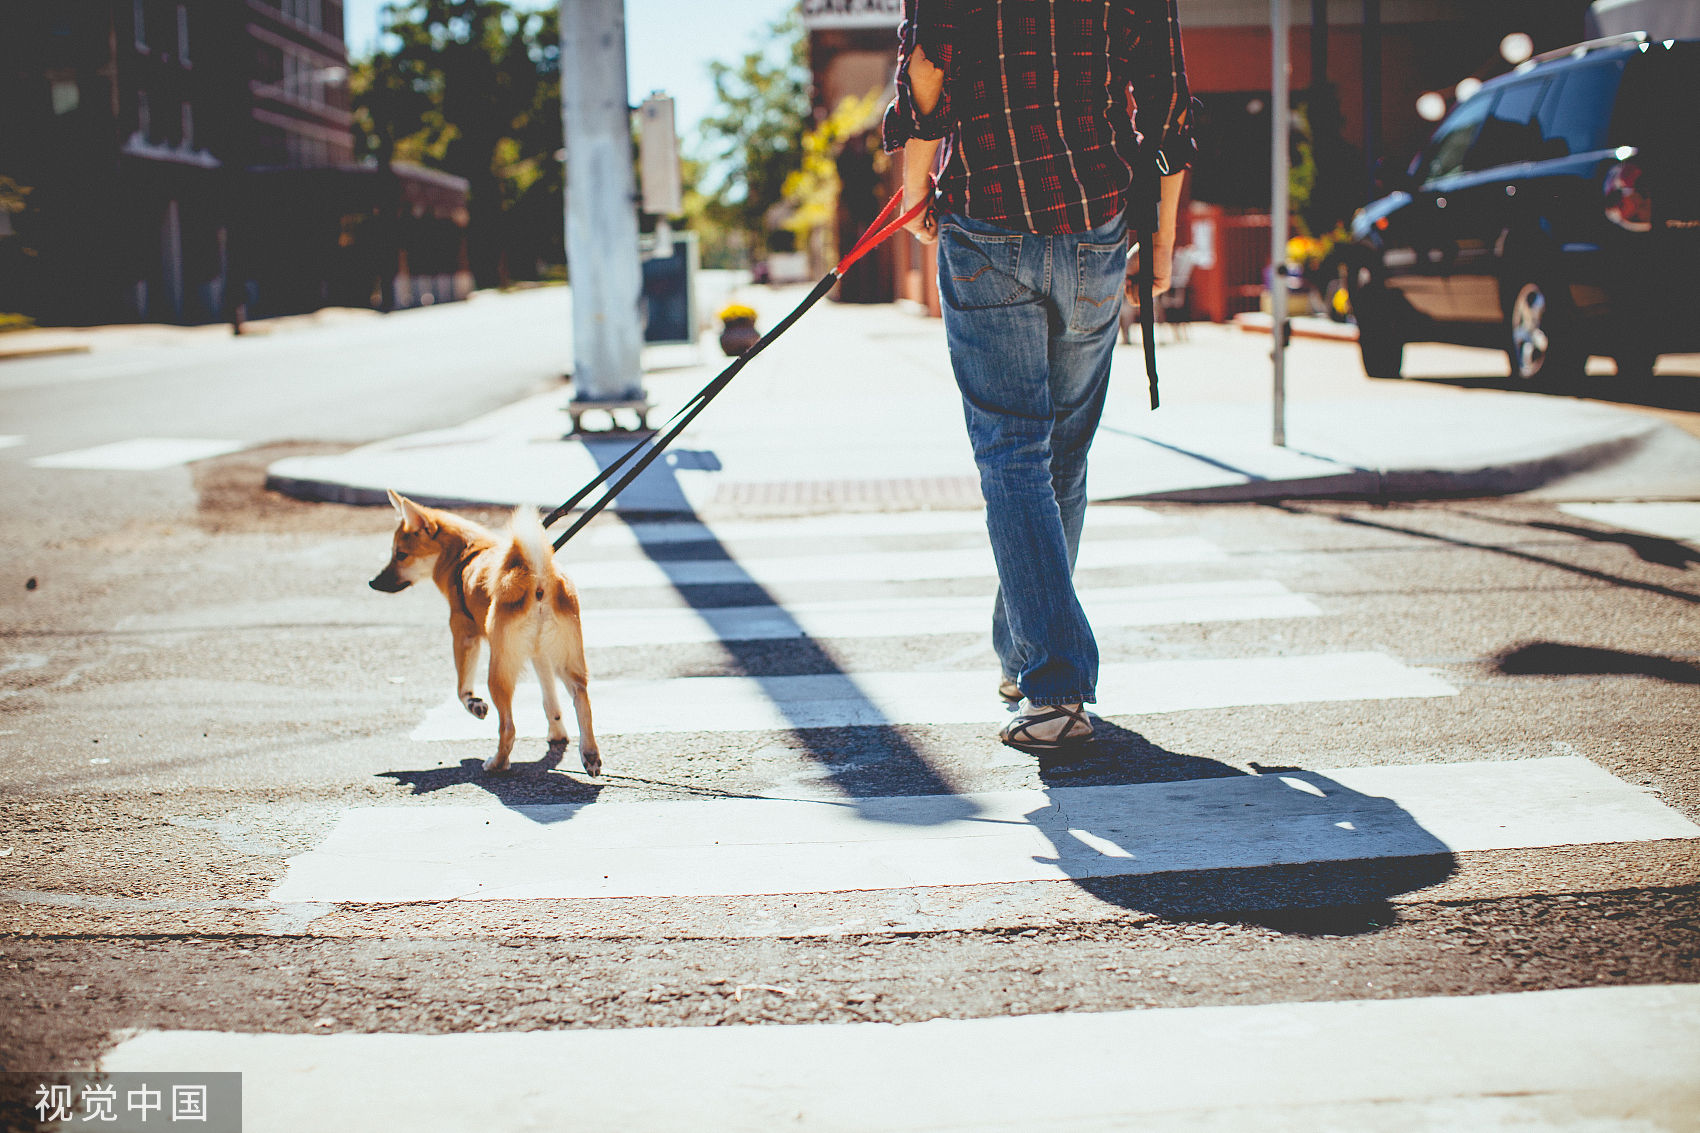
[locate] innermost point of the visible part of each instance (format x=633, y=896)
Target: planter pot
x=738, y=336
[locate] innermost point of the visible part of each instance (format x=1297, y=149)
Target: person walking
x=1036, y=103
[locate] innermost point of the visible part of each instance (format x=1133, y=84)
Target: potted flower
x=738, y=331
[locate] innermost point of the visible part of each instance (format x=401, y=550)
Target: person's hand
x=925, y=227
x=918, y=186
x=1162, y=264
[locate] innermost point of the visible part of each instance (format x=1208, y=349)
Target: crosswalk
x=910, y=589
x=138, y=454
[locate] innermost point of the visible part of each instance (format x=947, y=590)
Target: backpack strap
x=1145, y=193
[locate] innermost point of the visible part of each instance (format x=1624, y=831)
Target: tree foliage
x=472, y=87
x=755, y=137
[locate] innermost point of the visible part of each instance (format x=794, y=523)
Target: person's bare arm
x=1163, y=244
x=926, y=84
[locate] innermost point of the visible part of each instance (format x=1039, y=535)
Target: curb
x=1508, y=479
x=42, y=352
x=1300, y=326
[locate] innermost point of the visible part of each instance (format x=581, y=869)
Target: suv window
x=1574, y=118
x=1509, y=135
x=1444, y=155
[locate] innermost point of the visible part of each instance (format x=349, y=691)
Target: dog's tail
x=532, y=541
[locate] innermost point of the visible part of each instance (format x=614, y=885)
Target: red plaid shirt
x=1035, y=104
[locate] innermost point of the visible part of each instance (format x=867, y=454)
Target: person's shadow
x=1135, y=825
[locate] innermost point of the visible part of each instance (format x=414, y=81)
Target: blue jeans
x=1031, y=322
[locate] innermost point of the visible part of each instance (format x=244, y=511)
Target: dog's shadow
x=522, y=785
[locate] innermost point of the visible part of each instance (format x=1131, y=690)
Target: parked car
x=1554, y=214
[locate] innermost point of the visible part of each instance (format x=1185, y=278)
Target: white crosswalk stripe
x=882, y=566
x=735, y=847
x=1569, y=1060
x=890, y=617
x=842, y=700
x=838, y=525
x=1672, y=519
x=143, y=454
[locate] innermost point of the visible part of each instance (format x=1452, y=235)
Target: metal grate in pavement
x=910, y=492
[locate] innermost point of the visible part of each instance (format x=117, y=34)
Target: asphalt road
x=198, y=690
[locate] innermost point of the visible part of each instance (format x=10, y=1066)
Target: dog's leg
x=551, y=700
x=468, y=644
x=504, y=669
x=576, y=673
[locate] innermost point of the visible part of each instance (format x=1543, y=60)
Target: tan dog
x=507, y=589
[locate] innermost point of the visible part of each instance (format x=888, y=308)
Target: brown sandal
x=1076, y=728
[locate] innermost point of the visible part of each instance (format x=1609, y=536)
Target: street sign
x=658, y=156
x=819, y=15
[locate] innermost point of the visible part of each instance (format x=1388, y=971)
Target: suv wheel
x=1539, y=335
x=1379, y=338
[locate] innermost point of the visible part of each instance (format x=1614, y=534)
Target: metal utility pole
x=602, y=223
x=1281, y=117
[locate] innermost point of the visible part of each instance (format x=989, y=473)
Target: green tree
x=473, y=89
x=755, y=138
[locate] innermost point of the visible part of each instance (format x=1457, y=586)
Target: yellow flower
x=735, y=311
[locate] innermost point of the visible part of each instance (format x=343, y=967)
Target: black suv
x=1554, y=214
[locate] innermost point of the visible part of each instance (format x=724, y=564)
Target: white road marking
x=143, y=454
x=838, y=700
x=1580, y=1059
x=875, y=566
x=1670, y=520
x=10, y=440
x=913, y=617
x=843, y=524
x=743, y=847
x=609, y=627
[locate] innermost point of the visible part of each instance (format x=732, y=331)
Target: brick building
x=1376, y=58
x=183, y=155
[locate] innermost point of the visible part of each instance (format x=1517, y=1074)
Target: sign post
x=1280, y=115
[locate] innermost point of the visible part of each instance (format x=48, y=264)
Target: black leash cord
x=884, y=225
x=686, y=413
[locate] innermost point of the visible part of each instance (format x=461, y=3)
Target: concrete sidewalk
x=856, y=409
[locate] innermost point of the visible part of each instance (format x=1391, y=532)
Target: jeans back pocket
x=978, y=271
x=1097, y=299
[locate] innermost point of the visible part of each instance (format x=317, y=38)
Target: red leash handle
x=877, y=235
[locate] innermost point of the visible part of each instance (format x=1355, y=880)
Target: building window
x=67, y=95
x=183, y=34
x=309, y=12
x=139, y=13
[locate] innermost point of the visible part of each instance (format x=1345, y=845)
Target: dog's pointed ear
x=412, y=518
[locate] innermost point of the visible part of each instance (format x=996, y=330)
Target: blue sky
x=669, y=44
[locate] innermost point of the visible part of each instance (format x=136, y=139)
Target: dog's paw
x=476, y=706
x=592, y=760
